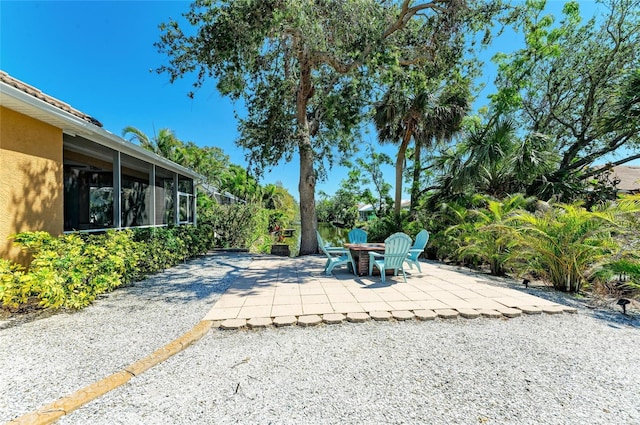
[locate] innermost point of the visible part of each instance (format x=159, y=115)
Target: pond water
x=330, y=233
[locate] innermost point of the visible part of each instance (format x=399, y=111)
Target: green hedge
x=71, y=270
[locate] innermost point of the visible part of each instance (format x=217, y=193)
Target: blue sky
x=98, y=56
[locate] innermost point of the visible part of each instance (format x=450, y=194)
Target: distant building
x=367, y=212
x=629, y=178
x=62, y=172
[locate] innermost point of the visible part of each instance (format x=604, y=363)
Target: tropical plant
x=621, y=276
x=397, y=119
x=563, y=244
x=165, y=143
x=443, y=118
x=486, y=235
x=493, y=160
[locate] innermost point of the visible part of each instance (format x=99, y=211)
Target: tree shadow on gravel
x=197, y=279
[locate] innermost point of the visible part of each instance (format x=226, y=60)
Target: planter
x=280, y=249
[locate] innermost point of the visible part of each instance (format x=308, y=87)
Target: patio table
x=360, y=254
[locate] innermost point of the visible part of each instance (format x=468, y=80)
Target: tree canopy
x=573, y=84
x=305, y=69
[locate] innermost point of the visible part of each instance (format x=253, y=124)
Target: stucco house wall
x=61, y=171
x=31, y=185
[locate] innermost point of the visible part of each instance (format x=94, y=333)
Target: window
x=88, y=193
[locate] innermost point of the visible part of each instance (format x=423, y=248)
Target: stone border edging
x=65, y=405
x=306, y=320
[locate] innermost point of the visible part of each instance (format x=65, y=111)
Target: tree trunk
x=415, y=185
x=399, y=168
x=307, y=189
x=307, y=183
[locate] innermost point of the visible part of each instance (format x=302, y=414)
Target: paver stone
x=380, y=315
x=284, y=321
x=309, y=320
x=259, y=322
x=447, y=313
x=425, y=314
x=230, y=324
x=333, y=318
x=402, y=314
x=357, y=317
x=468, y=313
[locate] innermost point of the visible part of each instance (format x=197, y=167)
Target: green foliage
x=15, y=284
x=575, y=84
x=235, y=225
x=341, y=208
x=381, y=228
x=306, y=70
x=71, y=270
x=621, y=275
x=564, y=243
x=485, y=235
x=493, y=160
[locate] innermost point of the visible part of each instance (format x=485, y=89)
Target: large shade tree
x=304, y=69
x=571, y=83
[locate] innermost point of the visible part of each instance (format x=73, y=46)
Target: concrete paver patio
x=286, y=291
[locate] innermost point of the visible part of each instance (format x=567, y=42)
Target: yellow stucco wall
x=31, y=186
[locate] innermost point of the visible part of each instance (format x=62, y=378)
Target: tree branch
x=406, y=13
x=612, y=164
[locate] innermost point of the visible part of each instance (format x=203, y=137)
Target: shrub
x=234, y=225
x=562, y=244
x=71, y=270
x=381, y=228
x=485, y=235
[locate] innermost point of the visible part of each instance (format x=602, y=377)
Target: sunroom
x=150, y=193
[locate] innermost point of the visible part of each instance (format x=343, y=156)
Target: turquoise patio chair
x=418, y=248
x=396, y=248
x=336, y=256
x=357, y=236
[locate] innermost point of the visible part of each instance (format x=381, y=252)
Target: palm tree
x=397, y=118
x=442, y=119
x=138, y=135
x=486, y=235
x=165, y=143
x=493, y=160
x=273, y=196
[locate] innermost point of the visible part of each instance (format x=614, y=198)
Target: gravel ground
x=551, y=369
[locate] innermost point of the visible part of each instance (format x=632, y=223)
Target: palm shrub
x=489, y=238
x=485, y=234
x=622, y=272
x=449, y=241
x=564, y=243
x=381, y=228
x=620, y=275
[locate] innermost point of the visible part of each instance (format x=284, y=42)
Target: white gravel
x=543, y=369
